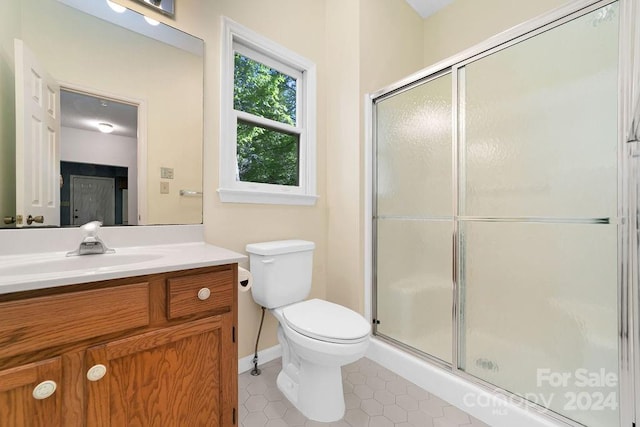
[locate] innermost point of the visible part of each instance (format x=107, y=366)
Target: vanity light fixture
x=105, y=127
x=151, y=21
x=116, y=7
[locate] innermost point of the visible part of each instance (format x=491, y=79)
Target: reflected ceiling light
x=116, y=7
x=105, y=127
x=151, y=21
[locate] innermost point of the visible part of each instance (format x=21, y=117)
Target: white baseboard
x=476, y=401
x=267, y=355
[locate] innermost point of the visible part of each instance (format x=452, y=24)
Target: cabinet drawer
x=183, y=298
x=36, y=323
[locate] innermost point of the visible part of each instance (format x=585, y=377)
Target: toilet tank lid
x=280, y=247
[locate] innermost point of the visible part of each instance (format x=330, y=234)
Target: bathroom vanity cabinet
x=153, y=350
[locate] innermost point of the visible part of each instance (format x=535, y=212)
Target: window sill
x=228, y=195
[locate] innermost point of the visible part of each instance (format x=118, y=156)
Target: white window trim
x=232, y=190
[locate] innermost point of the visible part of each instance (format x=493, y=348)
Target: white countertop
x=50, y=269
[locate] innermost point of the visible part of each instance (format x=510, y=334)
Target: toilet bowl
x=317, y=337
x=311, y=377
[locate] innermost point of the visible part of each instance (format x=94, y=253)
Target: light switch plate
x=166, y=173
x=164, y=188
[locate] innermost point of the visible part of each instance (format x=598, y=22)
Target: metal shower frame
x=628, y=194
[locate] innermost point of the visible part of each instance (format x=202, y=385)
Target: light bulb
x=105, y=127
x=151, y=21
x=116, y=7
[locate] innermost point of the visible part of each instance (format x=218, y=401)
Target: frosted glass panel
x=414, y=151
x=538, y=138
x=541, y=123
x=540, y=300
x=414, y=284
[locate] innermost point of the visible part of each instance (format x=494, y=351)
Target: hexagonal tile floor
x=374, y=397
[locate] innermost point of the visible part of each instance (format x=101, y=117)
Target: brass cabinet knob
x=9, y=219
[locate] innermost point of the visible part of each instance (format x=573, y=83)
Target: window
x=267, y=146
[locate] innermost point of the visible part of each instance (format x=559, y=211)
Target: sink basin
x=85, y=262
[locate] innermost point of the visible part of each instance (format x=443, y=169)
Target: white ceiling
x=82, y=111
x=428, y=7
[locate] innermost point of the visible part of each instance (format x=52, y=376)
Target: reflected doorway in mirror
x=88, y=152
x=93, y=192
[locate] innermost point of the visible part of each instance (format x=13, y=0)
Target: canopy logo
x=579, y=390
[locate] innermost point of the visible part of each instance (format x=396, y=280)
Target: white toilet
x=317, y=337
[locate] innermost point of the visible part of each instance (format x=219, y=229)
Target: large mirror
x=100, y=116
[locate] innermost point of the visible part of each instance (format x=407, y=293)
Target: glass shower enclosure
x=499, y=217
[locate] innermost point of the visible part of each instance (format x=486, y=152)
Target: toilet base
x=311, y=376
x=318, y=395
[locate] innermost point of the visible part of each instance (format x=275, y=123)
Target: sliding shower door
x=414, y=217
x=538, y=218
x=498, y=217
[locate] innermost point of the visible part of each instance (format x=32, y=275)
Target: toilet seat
x=326, y=321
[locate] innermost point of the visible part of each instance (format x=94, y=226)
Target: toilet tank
x=281, y=271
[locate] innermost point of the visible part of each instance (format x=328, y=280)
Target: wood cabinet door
x=30, y=394
x=167, y=377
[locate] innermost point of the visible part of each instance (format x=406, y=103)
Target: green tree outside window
x=265, y=155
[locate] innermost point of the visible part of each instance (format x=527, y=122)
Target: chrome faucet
x=91, y=243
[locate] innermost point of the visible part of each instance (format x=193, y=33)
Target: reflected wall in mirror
x=96, y=62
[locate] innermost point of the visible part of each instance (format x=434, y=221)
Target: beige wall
x=235, y=225
x=10, y=29
x=465, y=23
x=372, y=43
x=391, y=45
x=333, y=34
x=344, y=261
x=359, y=47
